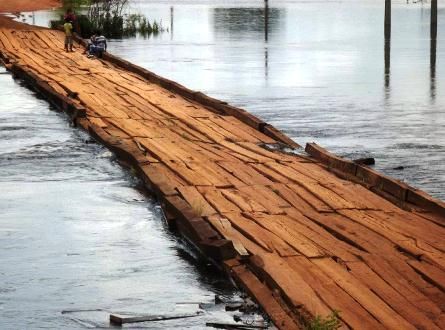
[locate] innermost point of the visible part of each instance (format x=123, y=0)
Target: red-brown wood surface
x=311, y=240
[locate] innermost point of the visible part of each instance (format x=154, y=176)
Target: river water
x=75, y=231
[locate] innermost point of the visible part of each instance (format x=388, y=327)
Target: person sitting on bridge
x=97, y=45
x=68, y=27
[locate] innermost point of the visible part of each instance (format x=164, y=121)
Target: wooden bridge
x=303, y=234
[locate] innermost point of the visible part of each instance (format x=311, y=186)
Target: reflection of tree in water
x=246, y=21
x=76, y=5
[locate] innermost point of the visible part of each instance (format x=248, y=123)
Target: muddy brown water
x=76, y=233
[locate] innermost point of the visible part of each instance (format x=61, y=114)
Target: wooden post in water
x=387, y=62
x=171, y=22
x=266, y=37
x=387, y=19
x=434, y=19
x=433, y=46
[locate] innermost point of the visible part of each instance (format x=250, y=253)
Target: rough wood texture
x=311, y=236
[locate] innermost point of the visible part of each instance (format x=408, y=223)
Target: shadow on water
x=207, y=273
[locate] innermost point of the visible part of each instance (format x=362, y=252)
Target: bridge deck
x=307, y=241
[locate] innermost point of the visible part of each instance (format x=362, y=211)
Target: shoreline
x=27, y=5
x=9, y=8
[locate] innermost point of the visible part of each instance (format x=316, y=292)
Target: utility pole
x=434, y=19
x=387, y=51
x=388, y=19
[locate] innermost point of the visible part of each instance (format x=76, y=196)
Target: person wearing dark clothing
x=97, y=46
x=70, y=16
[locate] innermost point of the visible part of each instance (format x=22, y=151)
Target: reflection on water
x=387, y=67
x=314, y=69
x=433, y=50
x=246, y=23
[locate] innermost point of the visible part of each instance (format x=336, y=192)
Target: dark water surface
x=75, y=233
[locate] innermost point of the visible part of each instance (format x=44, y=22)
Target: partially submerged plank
x=118, y=319
x=265, y=298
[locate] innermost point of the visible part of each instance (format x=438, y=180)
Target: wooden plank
x=413, y=225
x=97, y=121
x=364, y=296
x=245, y=173
x=290, y=173
x=351, y=312
x=433, y=274
x=331, y=160
x=270, y=174
x=330, y=244
x=383, y=228
x=243, y=201
x=329, y=197
x=313, y=200
x=196, y=201
x=117, y=319
x=264, y=297
x=189, y=175
x=409, y=284
x=416, y=248
x=217, y=200
x=354, y=234
x=292, y=198
x=239, y=149
x=281, y=227
x=297, y=291
x=253, y=147
x=360, y=197
x=161, y=178
x=235, y=123
x=240, y=242
x=261, y=236
x=394, y=299
x=211, y=172
x=265, y=196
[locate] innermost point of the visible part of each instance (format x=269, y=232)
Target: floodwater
x=76, y=233
x=317, y=70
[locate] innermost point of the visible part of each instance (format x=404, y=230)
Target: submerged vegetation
x=137, y=23
x=112, y=17
x=331, y=322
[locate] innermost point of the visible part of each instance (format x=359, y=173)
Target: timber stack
x=304, y=235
